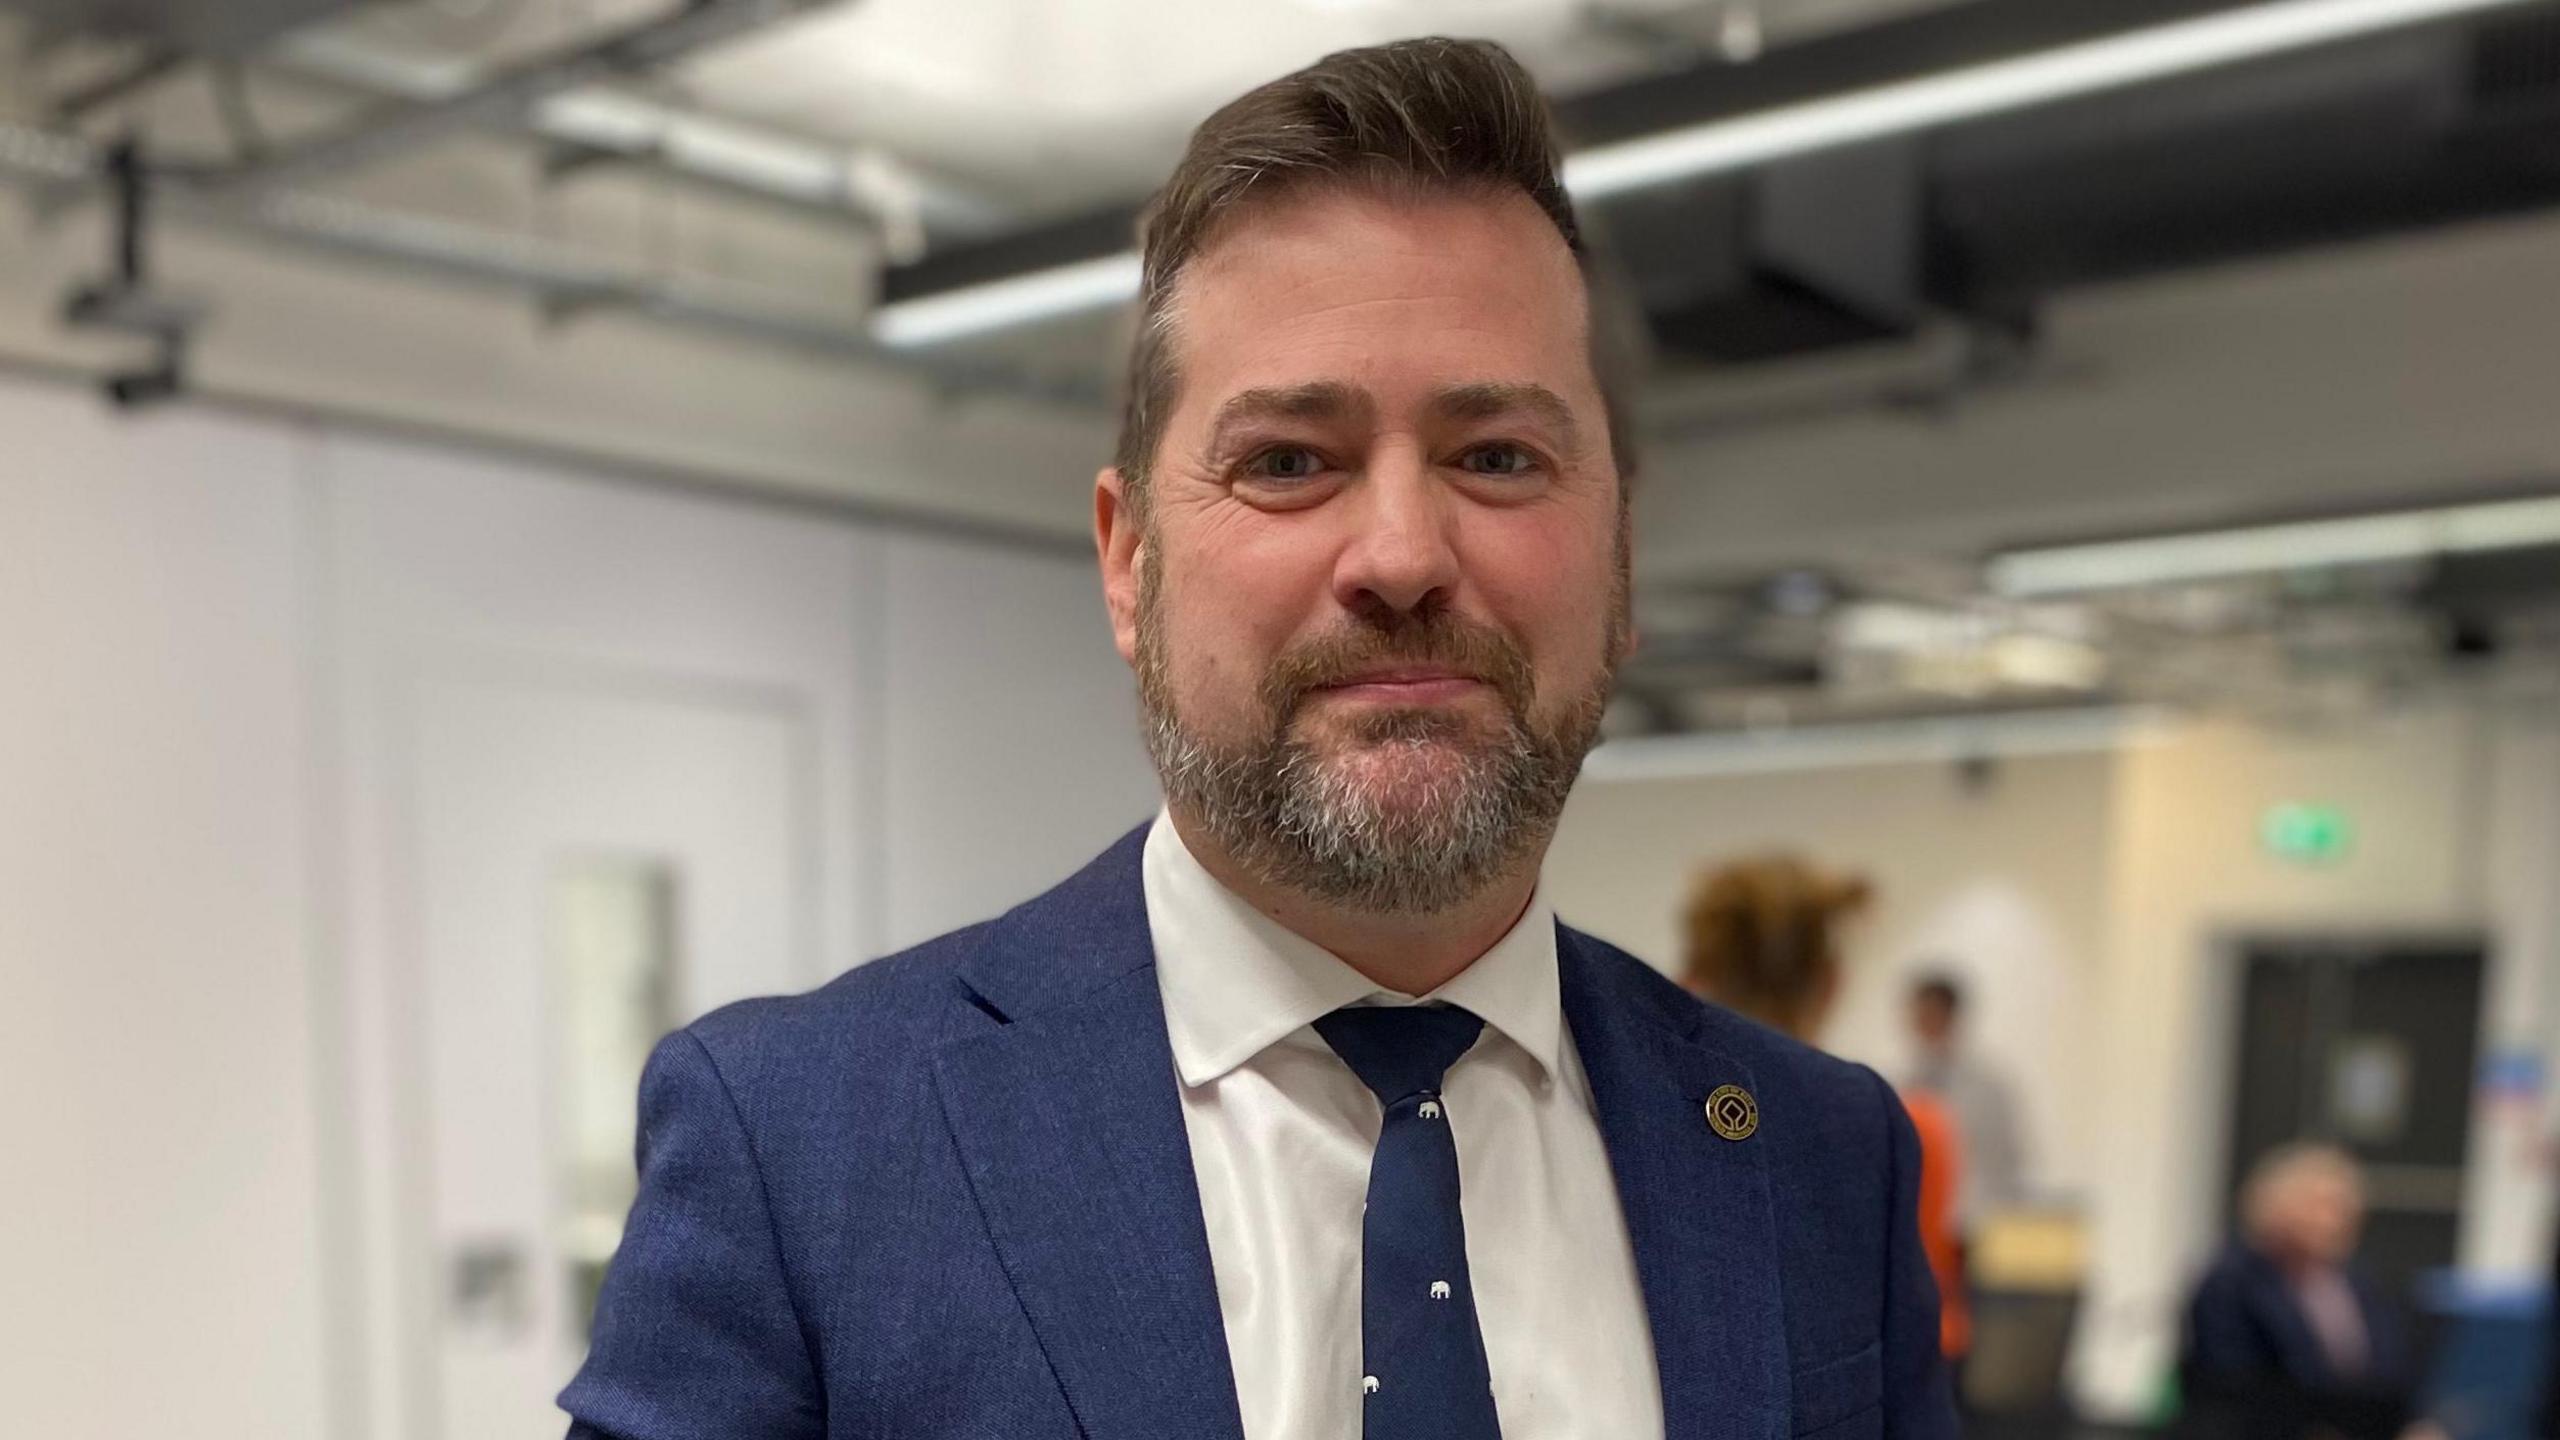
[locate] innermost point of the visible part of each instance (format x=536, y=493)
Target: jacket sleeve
x=1919, y=1398
x=696, y=1336
x=2221, y=1340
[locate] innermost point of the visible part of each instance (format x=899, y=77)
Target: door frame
x=2228, y=950
x=390, y=1230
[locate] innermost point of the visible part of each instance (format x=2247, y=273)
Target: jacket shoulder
x=868, y=1035
x=873, y=1015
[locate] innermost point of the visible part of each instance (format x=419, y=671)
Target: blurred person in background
x=1764, y=939
x=2546, y=1412
x=2284, y=1339
x=1975, y=1093
x=1297, y=1113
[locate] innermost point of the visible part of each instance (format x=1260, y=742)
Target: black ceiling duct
x=1812, y=253
x=2515, y=65
x=198, y=27
x=1986, y=219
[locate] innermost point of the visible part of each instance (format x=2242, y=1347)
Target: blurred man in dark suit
x=2284, y=1338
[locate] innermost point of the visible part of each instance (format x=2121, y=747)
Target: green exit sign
x=2307, y=834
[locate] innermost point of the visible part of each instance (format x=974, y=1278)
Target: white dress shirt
x=1281, y=1133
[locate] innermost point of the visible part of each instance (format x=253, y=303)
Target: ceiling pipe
x=565, y=278
x=876, y=191
x=506, y=96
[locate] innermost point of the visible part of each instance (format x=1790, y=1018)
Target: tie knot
x=1400, y=1051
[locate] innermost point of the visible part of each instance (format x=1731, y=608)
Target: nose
x=1402, y=559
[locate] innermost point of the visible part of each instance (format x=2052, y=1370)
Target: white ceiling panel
x=1057, y=104
x=1055, y=101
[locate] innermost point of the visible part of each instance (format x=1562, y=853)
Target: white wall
x=211, y=625
x=2509, y=1202
x=159, y=1226
x=2005, y=881
x=1003, y=768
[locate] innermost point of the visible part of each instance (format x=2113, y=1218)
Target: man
x=2283, y=1338
x=1174, y=1151
x=1976, y=1094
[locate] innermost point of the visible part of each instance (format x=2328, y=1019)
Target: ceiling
x=1019, y=111
x=753, y=175
x=1058, y=106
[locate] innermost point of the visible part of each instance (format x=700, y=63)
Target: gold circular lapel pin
x=1732, y=1113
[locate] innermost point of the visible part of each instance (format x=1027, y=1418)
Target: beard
x=1385, y=811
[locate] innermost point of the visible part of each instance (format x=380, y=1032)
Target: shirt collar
x=1236, y=982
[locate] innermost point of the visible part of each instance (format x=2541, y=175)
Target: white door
x=602, y=756
x=612, y=756
x=600, y=857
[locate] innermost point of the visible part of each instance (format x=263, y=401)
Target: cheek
x=1551, y=584
x=1234, y=602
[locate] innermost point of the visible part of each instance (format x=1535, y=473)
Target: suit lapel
x=2304, y=1355
x=1061, y=1096
x=1697, y=1207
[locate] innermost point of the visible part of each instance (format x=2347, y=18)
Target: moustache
x=1442, y=642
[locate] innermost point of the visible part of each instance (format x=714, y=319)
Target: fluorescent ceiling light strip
x=1992, y=88
x=1881, y=742
x=2507, y=526
x=977, y=309
x=1746, y=140
x=2276, y=549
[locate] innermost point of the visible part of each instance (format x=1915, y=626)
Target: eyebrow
x=1334, y=399
x=1493, y=399
x=1315, y=400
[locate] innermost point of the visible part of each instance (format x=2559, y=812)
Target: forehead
x=2314, y=1180
x=1401, y=295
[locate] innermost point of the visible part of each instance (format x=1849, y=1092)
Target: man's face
x=1933, y=1020
x=1379, y=593
x=2324, y=1217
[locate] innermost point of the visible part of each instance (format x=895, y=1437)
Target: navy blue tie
x=1426, y=1374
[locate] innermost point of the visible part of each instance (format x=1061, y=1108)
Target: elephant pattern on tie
x=1426, y=1376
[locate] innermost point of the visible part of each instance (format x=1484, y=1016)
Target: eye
x=1500, y=459
x=1285, y=462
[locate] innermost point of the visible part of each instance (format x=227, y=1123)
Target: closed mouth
x=1405, y=685
x=1404, y=675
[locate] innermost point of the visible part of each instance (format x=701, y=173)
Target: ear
x=1118, y=541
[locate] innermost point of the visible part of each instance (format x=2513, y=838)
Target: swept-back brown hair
x=1431, y=115
x=1764, y=936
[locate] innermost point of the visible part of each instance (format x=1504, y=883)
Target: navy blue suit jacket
x=950, y=1194
x=2254, y=1367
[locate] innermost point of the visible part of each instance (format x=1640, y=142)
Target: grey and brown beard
x=1278, y=806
